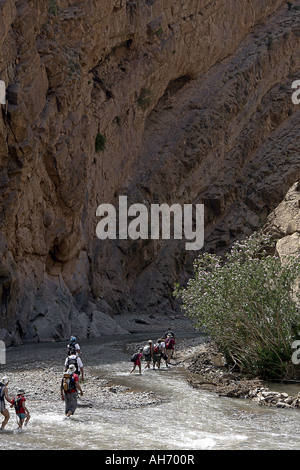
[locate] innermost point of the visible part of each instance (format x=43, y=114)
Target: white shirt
x=73, y=356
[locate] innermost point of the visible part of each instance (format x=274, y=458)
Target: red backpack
x=169, y=343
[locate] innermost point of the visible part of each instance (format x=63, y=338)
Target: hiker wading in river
x=4, y=396
x=21, y=410
x=69, y=390
x=73, y=347
x=170, y=346
x=148, y=353
x=75, y=360
x=157, y=353
x=137, y=361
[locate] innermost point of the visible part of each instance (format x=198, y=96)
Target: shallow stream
x=186, y=419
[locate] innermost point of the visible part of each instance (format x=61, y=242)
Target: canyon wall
x=163, y=101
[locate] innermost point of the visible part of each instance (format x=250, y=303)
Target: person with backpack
x=21, y=410
x=148, y=353
x=157, y=352
x=137, y=360
x=73, y=346
x=77, y=362
x=69, y=390
x=4, y=396
x=170, y=345
x=169, y=333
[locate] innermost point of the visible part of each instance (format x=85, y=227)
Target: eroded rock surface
x=192, y=103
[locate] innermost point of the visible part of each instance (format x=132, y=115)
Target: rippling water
x=186, y=419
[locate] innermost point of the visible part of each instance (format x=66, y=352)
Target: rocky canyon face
x=186, y=102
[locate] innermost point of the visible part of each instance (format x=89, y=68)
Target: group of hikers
x=70, y=388
x=154, y=352
x=18, y=403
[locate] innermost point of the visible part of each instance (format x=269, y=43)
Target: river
x=185, y=419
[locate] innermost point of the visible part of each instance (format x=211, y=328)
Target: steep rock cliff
x=283, y=224
x=191, y=101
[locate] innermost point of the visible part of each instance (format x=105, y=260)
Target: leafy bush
x=53, y=7
x=100, y=142
x=248, y=303
x=143, y=99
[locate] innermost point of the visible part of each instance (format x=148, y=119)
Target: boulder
x=102, y=324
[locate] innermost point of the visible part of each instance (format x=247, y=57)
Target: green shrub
x=269, y=43
x=248, y=304
x=143, y=100
x=100, y=142
x=52, y=7
x=118, y=120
